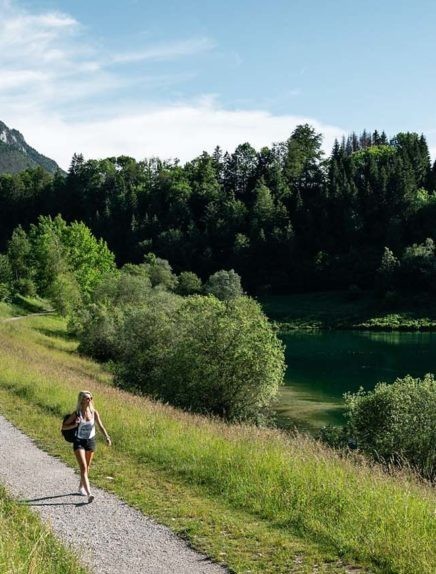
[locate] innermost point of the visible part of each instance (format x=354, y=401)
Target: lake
x=322, y=366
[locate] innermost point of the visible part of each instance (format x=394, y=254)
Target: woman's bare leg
x=89, y=455
x=81, y=459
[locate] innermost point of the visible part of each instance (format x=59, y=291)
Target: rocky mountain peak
x=17, y=155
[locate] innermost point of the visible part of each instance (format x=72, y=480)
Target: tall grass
x=27, y=546
x=346, y=508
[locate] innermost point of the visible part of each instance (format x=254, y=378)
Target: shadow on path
x=41, y=501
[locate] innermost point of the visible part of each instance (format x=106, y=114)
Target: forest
x=285, y=218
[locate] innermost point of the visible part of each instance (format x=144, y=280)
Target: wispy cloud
x=41, y=59
x=50, y=56
x=169, y=51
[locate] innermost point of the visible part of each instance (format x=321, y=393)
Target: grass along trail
x=108, y=536
x=253, y=499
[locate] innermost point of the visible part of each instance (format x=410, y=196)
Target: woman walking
x=84, y=419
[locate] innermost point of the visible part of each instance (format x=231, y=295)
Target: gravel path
x=111, y=537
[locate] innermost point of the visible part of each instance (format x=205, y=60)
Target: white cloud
x=11, y=79
x=183, y=131
x=167, y=51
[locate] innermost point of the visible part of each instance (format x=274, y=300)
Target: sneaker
x=91, y=498
x=82, y=491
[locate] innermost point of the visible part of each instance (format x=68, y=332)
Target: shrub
x=188, y=283
x=418, y=266
x=18, y=254
x=145, y=339
x=97, y=329
x=25, y=286
x=64, y=293
x=397, y=422
x=160, y=272
x=101, y=325
x=208, y=356
x=122, y=289
x=224, y=285
x=5, y=270
x=5, y=292
x=387, y=272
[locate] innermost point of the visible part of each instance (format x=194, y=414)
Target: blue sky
x=174, y=78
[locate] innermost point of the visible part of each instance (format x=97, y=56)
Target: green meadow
x=257, y=500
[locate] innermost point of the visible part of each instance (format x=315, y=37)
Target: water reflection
x=322, y=366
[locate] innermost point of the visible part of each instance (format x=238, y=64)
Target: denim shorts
x=84, y=443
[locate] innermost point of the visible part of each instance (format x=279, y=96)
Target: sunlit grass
x=27, y=546
x=22, y=306
x=259, y=500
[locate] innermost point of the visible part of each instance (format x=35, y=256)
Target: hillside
x=17, y=155
x=255, y=499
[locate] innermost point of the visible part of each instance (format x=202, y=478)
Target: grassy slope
x=338, y=310
x=22, y=306
x=254, y=499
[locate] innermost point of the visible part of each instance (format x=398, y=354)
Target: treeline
x=285, y=218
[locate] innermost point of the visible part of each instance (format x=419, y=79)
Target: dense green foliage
x=284, y=218
x=208, y=356
x=225, y=285
x=198, y=352
x=394, y=423
x=189, y=283
x=61, y=261
x=397, y=422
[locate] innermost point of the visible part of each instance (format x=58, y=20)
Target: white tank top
x=86, y=429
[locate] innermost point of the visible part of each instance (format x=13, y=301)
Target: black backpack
x=70, y=434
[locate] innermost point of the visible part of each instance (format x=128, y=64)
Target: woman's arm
x=71, y=422
x=101, y=427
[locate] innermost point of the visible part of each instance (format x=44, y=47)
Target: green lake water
x=322, y=366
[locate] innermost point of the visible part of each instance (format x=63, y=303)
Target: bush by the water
x=200, y=353
x=207, y=355
x=396, y=422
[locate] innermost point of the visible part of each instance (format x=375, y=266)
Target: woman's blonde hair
x=80, y=398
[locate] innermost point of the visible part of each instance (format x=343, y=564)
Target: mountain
x=16, y=155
